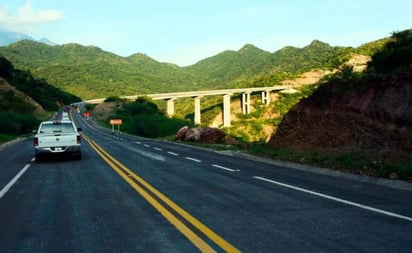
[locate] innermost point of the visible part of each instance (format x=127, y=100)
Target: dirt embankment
x=374, y=114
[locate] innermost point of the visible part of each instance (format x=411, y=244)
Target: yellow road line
x=127, y=174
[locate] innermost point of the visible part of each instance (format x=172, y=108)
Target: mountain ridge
x=98, y=73
x=8, y=37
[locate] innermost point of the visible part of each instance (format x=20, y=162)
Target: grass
x=384, y=164
x=7, y=137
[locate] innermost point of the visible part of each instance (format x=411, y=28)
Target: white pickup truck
x=57, y=137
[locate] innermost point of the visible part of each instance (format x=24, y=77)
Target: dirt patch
x=359, y=63
x=102, y=111
x=310, y=77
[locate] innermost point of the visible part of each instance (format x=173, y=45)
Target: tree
x=395, y=56
x=6, y=68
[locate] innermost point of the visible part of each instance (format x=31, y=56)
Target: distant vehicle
x=65, y=116
x=57, y=137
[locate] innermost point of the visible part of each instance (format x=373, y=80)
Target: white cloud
x=27, y=18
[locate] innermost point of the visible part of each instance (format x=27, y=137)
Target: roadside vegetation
x=362, y=162
x=25, y=101
x=142, y=117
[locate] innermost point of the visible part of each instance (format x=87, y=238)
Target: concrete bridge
x=197, y=95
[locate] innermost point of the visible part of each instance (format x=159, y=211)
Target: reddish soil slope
x=369, y=114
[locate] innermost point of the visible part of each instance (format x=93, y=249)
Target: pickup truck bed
x=57, y=137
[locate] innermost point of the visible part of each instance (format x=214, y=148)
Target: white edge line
x=224, y=168
x=337, y=199
x=13, y=181
x=193, y=159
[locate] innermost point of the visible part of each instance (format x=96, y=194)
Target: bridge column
x=197, y=111
x=226, y=110
x=246, y=103
x=266, y=97
x=170, y=107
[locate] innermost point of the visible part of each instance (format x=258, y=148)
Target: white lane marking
x=172, y=153
x=151, y=155
x=147, y=146
x=224, y=168
x=193, y=159
x=138, y=142
x=33, y=159
x=159, y=149
x=376, y=210
x=13, y=181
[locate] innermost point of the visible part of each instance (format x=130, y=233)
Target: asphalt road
x=131, y=194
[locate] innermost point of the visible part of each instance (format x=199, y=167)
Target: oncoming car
x=57, y=137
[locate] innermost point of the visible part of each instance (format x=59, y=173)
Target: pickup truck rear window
x=57, y=128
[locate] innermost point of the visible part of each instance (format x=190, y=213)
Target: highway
x=130, y=194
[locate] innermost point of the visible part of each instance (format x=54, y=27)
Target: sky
x=184, y=32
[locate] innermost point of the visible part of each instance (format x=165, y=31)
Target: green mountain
x=228, y=66
x=90, y=72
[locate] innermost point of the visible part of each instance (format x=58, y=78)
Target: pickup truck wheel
x=78, y=156
x=39, y=158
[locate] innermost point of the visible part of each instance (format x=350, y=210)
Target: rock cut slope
x=374, y=113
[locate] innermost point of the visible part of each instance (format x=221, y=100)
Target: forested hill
x=90, y=72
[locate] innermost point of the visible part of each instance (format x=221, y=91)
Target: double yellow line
x=162, y=202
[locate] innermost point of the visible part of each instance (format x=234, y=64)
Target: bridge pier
x=170, y=109
x=197, y=111
x=226, y=110
x=266, y=97
x=246, y=103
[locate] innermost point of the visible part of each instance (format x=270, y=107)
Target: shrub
x=143, y=117
x=395, y=56
x=17, y=123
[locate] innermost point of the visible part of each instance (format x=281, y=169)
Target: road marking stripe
x=193, y=159
x=376, y=210
x=128, y=176
x=195, y=239
x=138, y=142
x=172, y=153
x=146, y=145
x=159, y=149
x=224, y=168
x=13, y=181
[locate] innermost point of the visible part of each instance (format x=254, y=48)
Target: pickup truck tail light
x=36, y=141
x=79, y=139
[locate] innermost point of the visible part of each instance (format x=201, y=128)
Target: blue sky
x=184, y=32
